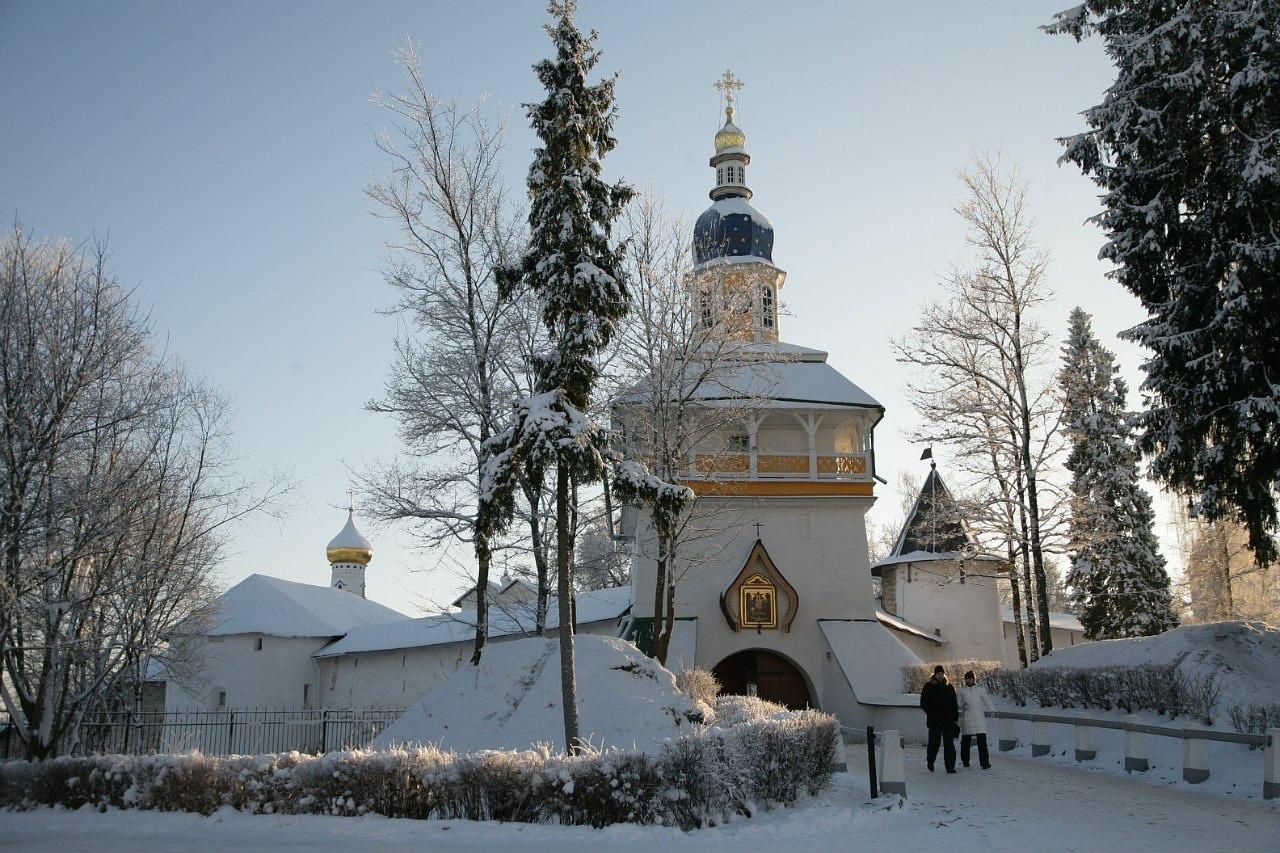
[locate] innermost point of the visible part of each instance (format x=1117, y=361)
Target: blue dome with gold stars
x=731, y=228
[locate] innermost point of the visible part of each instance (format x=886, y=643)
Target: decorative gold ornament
x=362, y=556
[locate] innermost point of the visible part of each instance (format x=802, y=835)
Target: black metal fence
x=233, y=732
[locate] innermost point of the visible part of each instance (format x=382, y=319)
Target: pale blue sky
x=225, y=147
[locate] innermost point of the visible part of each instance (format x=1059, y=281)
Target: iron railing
x=229, y=732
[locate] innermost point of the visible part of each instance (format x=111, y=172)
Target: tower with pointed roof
x=773, y=579
x=938, y=581
x=734, y=277
x=349, y=553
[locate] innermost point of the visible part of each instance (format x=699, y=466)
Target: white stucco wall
x=1062, y=638
x=818, y=544
x=931, y=597
x=272, y=677
x=401, y=677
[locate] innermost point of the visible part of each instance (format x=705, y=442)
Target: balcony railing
x=794, y=465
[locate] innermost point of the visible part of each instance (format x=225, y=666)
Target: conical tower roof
x=935, y=529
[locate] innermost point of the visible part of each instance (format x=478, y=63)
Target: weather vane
x=729, y=85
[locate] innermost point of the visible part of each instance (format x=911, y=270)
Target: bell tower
x=734, y=279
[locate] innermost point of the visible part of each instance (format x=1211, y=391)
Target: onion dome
x=732, y=229
x=730, y=137
x=350, y=545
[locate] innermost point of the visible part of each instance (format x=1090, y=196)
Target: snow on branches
x=1117, y=576
x=1186, y=146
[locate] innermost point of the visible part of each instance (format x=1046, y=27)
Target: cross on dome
x=729, y=84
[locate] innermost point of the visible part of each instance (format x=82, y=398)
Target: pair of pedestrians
x=948, y=712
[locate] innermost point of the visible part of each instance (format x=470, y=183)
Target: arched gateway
x=776, y=678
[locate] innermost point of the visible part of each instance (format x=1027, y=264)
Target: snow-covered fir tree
x=573, y=269
x=1117, y=576
x=1186, y=145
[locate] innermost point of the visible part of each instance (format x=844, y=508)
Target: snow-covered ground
x=1021, y=804
x=512, y=700
x=1243, y=657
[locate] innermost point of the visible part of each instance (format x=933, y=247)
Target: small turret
x=349, y=552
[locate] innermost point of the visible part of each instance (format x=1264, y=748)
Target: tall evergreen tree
x=1117, y=575
x=574, y=271
x=1186, y=145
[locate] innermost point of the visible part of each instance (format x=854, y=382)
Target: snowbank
x=512, y=700
x=1244, y=658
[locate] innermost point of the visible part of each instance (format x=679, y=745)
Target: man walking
x=942, y=714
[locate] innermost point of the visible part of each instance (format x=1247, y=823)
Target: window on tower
x=766, y=305
x=705, y=299
x=719, y=177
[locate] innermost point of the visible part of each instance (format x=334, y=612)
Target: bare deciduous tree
x=118, y=486
x=981, y=383
x=450, y=383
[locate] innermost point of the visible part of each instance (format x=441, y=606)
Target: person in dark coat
x=942, y=716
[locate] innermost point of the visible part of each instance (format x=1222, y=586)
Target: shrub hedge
x=771, y=757
x=1161, y=688
x=914, y=676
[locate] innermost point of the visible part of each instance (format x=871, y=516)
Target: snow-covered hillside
x=512, y=700
x=1244, y=657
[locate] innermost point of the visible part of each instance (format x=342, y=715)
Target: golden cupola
x=350, y=545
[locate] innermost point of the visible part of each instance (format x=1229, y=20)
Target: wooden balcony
x=795, y=465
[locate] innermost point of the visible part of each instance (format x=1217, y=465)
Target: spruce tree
x=1186, y=146
x=574, y=271
x=1117, y=577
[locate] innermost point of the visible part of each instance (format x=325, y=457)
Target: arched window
x=719, y=176
x=766, y=305
x=704, y=299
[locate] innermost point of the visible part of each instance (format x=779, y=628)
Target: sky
x=224, y=148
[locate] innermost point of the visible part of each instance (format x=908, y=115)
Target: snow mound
x=512, y=700
x=1244, y=657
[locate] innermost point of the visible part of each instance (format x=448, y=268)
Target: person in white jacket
x=974, y=702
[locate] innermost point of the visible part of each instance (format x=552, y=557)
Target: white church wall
x=387, y=678
x=253, y=671
x=931, y=597
x=1062, y=638
x=819, y=546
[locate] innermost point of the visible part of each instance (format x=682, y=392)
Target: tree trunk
x=1017, y=606
x=659, y=598
x=534, y=497
x=1033, y=640
x=483, y=557
x=568, y=677
x=668, y=626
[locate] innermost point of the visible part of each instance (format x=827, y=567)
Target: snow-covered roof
x=595, y=606
x=934, y=530
x=261, y=604
x=736, y=205
x=349, y=537
x=900, y=624
x=805, y=379
x=870, y=656
x=926, y=556
x=1065, y=621
x=495, y=589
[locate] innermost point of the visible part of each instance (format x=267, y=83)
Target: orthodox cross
x=351, y=499
x=758, y=525
x=729, y=85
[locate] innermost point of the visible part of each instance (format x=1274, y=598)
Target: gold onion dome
x=730, y=136
x=350, y=546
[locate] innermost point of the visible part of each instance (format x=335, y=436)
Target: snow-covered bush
x=772, y=756
x=700, y=684
x=1159, y=688
x=1254, y=718
x=736, y=710
x=915, y=675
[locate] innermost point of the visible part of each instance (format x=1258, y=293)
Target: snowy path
x=1021, y=804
